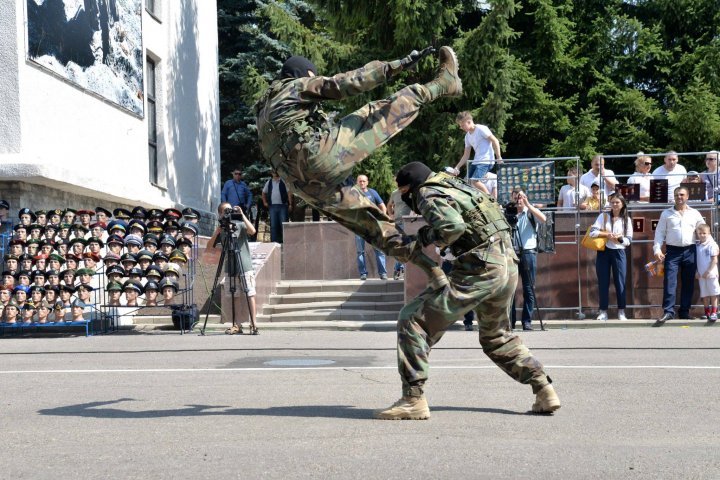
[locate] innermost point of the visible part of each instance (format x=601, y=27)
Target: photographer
x=241, y=231
x=524, y=219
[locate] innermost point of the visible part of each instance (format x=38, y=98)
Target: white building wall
x=10, y=133
x=70, y=139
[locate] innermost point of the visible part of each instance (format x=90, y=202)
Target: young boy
x=707, y=270
x=567, y=197
x=487, y=149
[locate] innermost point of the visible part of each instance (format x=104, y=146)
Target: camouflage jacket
x=458, y=215
x=289, y=112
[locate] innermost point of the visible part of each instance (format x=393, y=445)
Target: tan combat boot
x=407, y=408
x=546, y=400
x=447, y=83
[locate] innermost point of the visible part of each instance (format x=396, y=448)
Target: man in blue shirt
x=373, y=196
x=237, y=193
x=525, y=242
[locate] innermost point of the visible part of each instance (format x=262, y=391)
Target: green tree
x=695, y=119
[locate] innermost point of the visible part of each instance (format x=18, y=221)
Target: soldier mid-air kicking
x=316, y=157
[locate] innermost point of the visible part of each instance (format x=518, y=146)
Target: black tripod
x=234, y=270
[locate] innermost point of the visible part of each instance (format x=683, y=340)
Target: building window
x=151, y=116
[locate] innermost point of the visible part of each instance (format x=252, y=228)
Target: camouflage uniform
x=483, y=278
x=316, y=157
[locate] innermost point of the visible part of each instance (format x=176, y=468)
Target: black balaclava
x=297, y=67
x=413, y=175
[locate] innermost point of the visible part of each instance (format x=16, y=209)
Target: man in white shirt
x=597, y=172
x=642, y=176
x=487, y=148
x=672, y=171
x=676, y=229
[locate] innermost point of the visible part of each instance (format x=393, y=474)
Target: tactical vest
x=481, y=213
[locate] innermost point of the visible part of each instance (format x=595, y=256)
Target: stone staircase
x=319, y=300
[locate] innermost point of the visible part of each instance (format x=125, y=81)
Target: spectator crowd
x=62, y=265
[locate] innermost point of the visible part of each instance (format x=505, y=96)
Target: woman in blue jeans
x=616, y=227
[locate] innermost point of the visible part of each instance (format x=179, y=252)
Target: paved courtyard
x=637, y=403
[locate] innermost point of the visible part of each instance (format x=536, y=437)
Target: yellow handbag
x=597, y=243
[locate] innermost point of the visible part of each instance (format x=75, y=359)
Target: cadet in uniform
x=483, y=278
x=314, y=159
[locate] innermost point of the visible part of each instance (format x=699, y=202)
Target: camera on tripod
x=229, y=216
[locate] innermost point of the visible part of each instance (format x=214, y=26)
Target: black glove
x=425, y=235
x=411, y=60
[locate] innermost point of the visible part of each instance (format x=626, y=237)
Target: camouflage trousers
x=483, y=280
x=318, y=167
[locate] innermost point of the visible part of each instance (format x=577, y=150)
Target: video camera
x=510, y=210
x=232, y=214
x=228, y=218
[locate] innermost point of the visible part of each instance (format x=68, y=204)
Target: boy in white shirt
x=567, y=195
x=706, y=256
x=487, y=148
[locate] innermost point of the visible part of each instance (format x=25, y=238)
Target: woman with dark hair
x=615, y=226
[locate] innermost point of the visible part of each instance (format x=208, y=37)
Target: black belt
x=680, y=248
x=528, y=250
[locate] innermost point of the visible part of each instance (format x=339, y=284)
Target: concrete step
x=327, y=314
x=334, y=305
x=315, y=286
x=337, y=296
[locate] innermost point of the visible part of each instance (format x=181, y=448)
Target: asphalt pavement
x=637, y=403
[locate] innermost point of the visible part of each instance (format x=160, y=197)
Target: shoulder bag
x=596, y=243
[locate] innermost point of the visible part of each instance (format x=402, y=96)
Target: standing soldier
x=315, y=158
x=483, y=278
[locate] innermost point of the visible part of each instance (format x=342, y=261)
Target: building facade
x=109, y=103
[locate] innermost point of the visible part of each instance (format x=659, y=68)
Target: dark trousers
x=607, y=261
x=278, y=215
x=679, y=261
x=527, y=269
x=447, y=267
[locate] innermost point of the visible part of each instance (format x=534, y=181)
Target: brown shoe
x=447, y=83
x=546, y=400
x=407, y=408
x=234, y=330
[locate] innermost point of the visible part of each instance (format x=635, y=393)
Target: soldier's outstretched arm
x=358, y=81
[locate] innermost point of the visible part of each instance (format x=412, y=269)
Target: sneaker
x=546, y=400
x=397, y=275
x=447, y=83
x=622, y=317
x=713, y=317
x=603, y=316
x=407, y=408
x=363, y=277
x=383, y=277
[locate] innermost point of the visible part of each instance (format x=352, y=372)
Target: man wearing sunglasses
x=236, y=192
x=710, y=175
x=642, y=176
